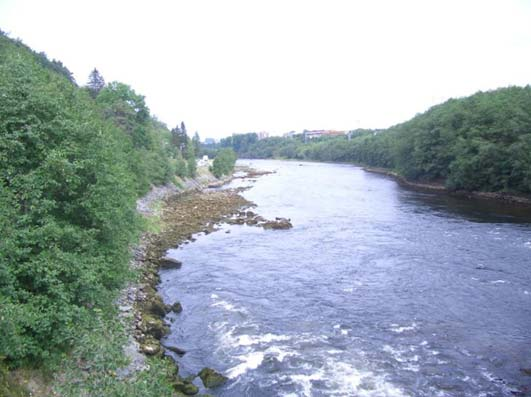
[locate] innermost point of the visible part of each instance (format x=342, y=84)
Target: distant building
x=210, y=141
x=320, y=133
x=204, y=161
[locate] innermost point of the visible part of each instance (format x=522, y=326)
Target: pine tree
x=190, y=160
x=180, y=138
x=95, y=83
x=197, y=143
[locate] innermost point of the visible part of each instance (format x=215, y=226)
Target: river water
x=377, y=290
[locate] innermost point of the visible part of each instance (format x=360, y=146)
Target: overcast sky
x=237, y=66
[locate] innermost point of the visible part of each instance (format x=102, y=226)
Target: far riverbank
x=440, y=188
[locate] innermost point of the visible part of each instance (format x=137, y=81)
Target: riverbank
x=440, y=188
x=174, y=216
x=181, y=218
x=110, y=357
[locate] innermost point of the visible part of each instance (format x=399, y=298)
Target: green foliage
x=190, y=161
x=181, y=169
x=40, y=57
x=179, y=139
x=71, y=169
x=144, y=140
x=477, y=143
x=239, y=142
x=97, y=358
x=482, y=142
x=224, y=162
x=197, y=144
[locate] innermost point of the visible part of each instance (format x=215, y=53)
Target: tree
x=180, y=166
x=224, y=162
x=197, y=143
x=190, y=160
x=95, y=83
x=179, y=138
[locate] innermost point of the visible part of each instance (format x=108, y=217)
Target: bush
x=223, y=163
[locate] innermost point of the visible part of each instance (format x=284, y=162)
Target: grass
x=153, y=224
x=91, y=368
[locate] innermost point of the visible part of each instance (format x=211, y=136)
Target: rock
x=150, y=348
x=157, y=306
x=176, y=350
x=526, y=371
x=169, y=263
x=211, y=378
x=278, y=223
x=155, y=327
x=177, y=307
x=236, y=221
x=185, y=387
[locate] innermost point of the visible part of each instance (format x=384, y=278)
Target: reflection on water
x=475, y=210
x=376, y=291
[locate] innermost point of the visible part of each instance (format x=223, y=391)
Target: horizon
x=237, y=68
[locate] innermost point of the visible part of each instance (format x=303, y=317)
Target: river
x=376, y=291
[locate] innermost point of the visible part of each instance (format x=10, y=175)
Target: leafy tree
x=482, y=142
x=224, y=162
x=67, y=208
x=181, y=169
x=71, y=169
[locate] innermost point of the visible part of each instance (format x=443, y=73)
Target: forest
x=73, y=161
x=478, y=143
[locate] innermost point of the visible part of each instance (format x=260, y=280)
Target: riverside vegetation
x=479, y=143
x=73, y=162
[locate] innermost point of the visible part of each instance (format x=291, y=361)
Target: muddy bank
x=440, y=188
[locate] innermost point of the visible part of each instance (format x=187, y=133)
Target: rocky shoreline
x=181, y=215
x=440, y=188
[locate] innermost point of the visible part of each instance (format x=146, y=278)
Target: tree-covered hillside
x=72, y=165
x=478, y=143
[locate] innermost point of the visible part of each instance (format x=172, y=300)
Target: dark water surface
x=376, y=291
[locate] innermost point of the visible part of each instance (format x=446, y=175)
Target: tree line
x=478, y=143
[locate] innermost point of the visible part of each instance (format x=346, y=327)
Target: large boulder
x=177, y=307
x=175, y=349
x=169, y=263
x=154, y=327
x=278, y=223
x=157, y=307
x=150, y=347
x=211, y=378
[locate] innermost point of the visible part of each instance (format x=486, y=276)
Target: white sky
x=237, y=66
